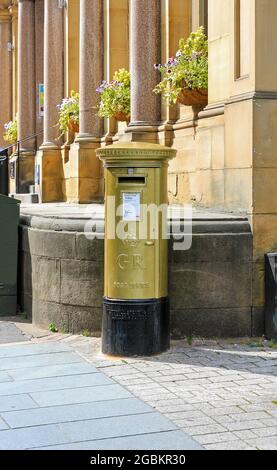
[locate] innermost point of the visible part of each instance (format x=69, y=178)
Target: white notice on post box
x=131, y=206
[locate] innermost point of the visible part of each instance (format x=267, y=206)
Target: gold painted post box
x=135, y=303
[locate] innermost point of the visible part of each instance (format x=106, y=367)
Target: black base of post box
x=271, y=296
x=135, y=327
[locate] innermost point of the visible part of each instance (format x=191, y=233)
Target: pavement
x=54, y=399
x=9, y=333
x=62, y=393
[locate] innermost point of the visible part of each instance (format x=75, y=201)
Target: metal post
x=17, y=174
x=4, y=185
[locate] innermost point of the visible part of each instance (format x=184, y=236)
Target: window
x=242, y=38
x=200, y=14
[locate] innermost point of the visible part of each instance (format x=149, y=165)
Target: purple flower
x=102, y=87
x=172, y=62
x=157, y=66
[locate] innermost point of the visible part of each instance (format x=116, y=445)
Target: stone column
x=26, y=72
x=13, y=9
x=26, y=94
x=116, y=54
x=53, y=69
x=91, y=66
x=51, y=178
x=39, y=39
x=5, y=72
x=71, y=74
x=84, y=165
x=145, y=51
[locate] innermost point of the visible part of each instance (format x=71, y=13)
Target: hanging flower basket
x=185, y=75
x=10, y=131
x=194, y=97
x=122, y=117
x=69, y=113
x=73, y=126
x=115, y=96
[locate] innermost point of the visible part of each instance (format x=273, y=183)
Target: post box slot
x=131, y=180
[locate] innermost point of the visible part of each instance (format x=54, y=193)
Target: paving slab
x=54, y=383
x=31, y=349
x=58, y=370
x=3, y=425
x=28, y=438
x=4, y=377
x=16, y=402
x=81, y=395
x=77, y=412
x=42, y=360
x=118, y=426
x=171, y=440
x=9, y=333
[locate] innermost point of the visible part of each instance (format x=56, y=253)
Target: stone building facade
x=226, y=154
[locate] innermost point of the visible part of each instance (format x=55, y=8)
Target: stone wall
x=61, y=278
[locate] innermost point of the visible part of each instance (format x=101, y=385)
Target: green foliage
x=85, y=333
x=10, y=131
x=257, y=344
x=68, y=111
x=116, y=95
x=52, y=327
x=189, y=340
x=262, y=343
x=188, y=69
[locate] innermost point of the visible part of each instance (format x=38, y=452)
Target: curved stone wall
x=61, y=274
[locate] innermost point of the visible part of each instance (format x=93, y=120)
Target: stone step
x=26, y=198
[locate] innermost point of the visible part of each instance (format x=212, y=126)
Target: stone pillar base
x=66, y=169
x=27, y=198
x=50, y=170
x=22, y=172
x=139, y=133
x=86, y=184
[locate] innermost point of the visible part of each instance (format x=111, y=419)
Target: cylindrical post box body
x=135, y=304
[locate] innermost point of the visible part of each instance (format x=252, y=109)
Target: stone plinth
x=61, y=279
